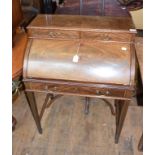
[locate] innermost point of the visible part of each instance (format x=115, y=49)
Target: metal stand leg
x=32, y=104
x=86, y=110
x=121, y=111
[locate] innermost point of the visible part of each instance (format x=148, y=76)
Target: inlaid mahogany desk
x=83, y=56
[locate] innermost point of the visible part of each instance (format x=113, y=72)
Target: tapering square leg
x=140, y=145
x=33, y=106
x=121, y=111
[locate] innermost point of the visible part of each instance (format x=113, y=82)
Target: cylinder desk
x=88, y=56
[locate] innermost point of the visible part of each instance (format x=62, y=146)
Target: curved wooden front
x=99, y=62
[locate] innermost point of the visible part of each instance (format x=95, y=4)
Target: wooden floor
x=67, y=131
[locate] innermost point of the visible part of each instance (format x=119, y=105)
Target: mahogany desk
x=83, y=56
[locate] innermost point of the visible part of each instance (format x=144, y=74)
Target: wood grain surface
x=76, y=22
x=101, y=62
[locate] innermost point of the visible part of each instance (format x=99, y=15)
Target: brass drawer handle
x=55, y=88
x=76, y=89
x=102, y=93
x=105, y=37
x=54, y=34
x=98, y=92
x=107, y=92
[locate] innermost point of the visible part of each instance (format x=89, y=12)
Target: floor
x=68, y=131
x=93, y=7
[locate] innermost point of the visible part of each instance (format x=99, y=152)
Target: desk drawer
x=107, y=36
x=76, y=90
x=52, y=34
x=69, y=34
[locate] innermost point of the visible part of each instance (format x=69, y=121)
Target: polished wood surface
x=74, y=34
x=78, y=89
x=121, y=111
x=101, y=62
x=32, y=103
x=105, y=67
x=91, y=23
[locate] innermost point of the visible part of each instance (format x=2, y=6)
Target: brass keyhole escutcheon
x=107, y=92
x=46, y=87
x=55, y=88
x=51, y=34
x=98, y=92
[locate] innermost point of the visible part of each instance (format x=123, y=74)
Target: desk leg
x=32, y=104
x=140, y=145
x=121, y=111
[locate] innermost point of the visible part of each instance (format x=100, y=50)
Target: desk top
x=76, y=22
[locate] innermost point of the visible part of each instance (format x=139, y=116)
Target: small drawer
x=52, y=34
x=107, y=36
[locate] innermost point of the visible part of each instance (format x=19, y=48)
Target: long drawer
x=86, y=35
x=76, y=90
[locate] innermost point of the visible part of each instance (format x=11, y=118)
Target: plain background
x=6, y=78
